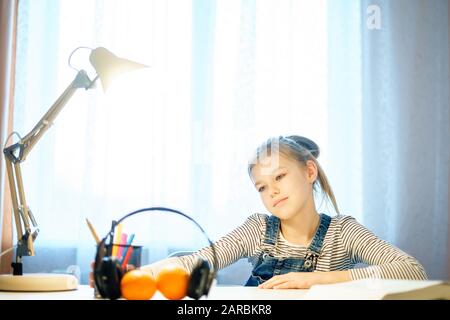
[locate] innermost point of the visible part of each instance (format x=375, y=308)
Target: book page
x=365, y=289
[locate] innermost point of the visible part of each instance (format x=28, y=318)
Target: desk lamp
x=107, y=67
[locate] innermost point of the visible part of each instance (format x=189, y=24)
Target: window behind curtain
x=224, y=76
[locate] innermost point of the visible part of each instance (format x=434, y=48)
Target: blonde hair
x=300, y=149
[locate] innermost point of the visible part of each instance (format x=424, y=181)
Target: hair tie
x=305, y=143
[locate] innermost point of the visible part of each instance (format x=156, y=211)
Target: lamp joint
x=14, y=152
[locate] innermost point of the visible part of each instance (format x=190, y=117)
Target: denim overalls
x=268, y=266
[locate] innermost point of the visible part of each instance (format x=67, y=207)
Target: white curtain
x=389, y=118
x=223, y=77
x=226, y=75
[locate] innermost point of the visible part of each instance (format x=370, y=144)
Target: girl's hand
x=304, y=280
x=293, y=280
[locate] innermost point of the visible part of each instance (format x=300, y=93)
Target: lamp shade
x=108, y=66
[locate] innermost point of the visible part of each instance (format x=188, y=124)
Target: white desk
x=365, y=289
x=85, y=292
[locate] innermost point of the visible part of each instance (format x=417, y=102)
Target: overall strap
x=272, y=229
x=316, y=243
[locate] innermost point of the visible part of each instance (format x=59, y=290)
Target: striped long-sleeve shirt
x=346, y=244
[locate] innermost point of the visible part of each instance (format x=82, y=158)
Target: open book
x=378, y=289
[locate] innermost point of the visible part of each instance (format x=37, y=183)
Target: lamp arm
x=81, y=81
x=16, y=153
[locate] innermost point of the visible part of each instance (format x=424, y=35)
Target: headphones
x=108, y=271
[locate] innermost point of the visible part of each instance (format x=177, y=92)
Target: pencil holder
x=127, y=254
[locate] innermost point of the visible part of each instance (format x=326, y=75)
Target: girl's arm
x=385, y=260
x=239, y=243
x=362, y=246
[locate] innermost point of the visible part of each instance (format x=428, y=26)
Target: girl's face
x=284, y=184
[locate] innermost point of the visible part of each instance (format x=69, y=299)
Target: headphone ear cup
x=200, y=280
x=107, y=278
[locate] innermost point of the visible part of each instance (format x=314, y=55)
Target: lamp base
x=38, y=282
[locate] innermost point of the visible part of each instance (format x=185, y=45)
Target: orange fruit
x=137, y=285
x=172, y=281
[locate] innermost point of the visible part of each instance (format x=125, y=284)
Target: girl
x=295, y=246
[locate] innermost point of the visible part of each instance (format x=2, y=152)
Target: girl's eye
x=279, y=177
x=261, y=189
